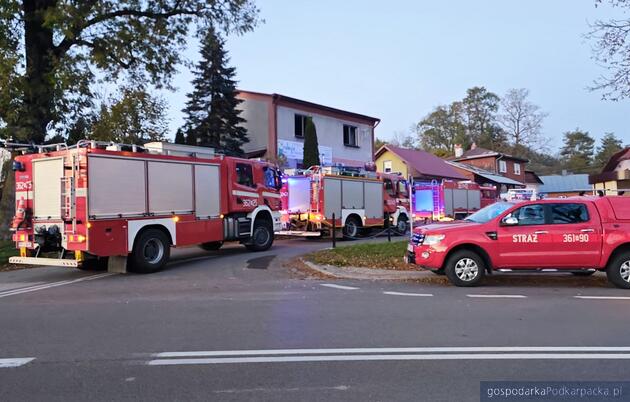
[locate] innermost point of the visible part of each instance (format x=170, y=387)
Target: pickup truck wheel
x=262, y=237
x=465, y=268
x=351, y=229
x=211, y=246
x=618, y=271
x=151, y=251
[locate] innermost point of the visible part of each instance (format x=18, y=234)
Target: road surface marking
x=392, y=357
x=408, y=294
x=429, y=349
x=603, y=297
x=52, y=285
x=497, y=296
x=330, y=285
x=17, y=362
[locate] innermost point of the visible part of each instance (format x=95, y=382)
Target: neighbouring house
x=486, y=178
x=564, y=185
x=499, y=163
x=532, y=181
x=276, y=123
x=416, y=164
x=615, y=176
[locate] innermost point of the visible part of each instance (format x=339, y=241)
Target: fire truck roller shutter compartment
x=170, y=188
x=299, y=194
x=460, y=199
x=448, y=202
x=373, y=200
x=117, y=186
x=332, y=198
x=207, y=191
x=474, y=199
x=352, y=194
x=47, y=174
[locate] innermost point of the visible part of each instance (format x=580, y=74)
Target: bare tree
x=521, y=119
x=612, y=50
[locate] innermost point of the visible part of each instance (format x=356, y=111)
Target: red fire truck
x=447, y=200
x=580, y=235
x=360, y=199
x=95, y=204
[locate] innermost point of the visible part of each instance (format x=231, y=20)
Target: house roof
x=423, y=162
x=479, y=152
x=486, y=174
x=564, y=183
x=616, y=158
x=303, y=103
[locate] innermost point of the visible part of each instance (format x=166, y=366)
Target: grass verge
x=370, y=255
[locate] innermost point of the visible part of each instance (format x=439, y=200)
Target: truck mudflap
x=57, y=262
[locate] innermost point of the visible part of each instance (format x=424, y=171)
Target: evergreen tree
x=609, y=146
x=311, y=147
x=213, y=119
x=577, y=152
x=180, y=138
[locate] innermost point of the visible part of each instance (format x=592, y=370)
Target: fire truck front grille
x=417, y=238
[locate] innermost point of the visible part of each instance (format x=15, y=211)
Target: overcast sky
x=397, y=60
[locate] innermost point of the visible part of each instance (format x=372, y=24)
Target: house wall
x=256, y=113
x=612, y=186
x=329, y=134
x=398, y=165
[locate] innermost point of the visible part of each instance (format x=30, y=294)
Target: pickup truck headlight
x=430, y=240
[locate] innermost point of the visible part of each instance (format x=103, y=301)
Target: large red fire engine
x=97, y=204
x=359, y=199
x=445, y=200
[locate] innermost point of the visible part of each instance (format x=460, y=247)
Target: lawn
x=371, y=255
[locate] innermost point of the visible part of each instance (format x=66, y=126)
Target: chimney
x=473, y=146
x=459, y=150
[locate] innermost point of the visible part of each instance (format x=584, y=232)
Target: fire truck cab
x=95, y=204
x=580, y=235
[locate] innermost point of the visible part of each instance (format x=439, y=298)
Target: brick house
x=499, y=163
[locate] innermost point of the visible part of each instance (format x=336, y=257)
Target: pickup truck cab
x=581, y=235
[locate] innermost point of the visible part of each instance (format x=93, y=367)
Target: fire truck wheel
x=211, y=246
x=402, y=225
x=465, y=268
x=618, y=270
x=150, y=251
x=352, y=228
x=262, y=238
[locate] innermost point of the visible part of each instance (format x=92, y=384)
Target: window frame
x=249, y=167
x=518, y=173
x=502, y=166
x=544, y=211
x=390, y=166
x=303, y=119
x=354, y=130
x=551, y=222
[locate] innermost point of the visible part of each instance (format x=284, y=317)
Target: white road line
x=331, y=285
x=429, y=349
x=17, y=362
x=52, y=285
x=332, y=358
x=497, y=296
x=603, y=297
x=408, y=294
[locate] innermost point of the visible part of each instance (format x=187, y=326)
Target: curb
x=366, y=273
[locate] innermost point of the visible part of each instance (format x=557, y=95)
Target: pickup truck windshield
x=490, y=212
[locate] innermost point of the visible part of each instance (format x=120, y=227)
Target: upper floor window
x=244, y=174
x=350, y=136
x=517, y=168
x=502, y=167
x=300, y=125
x=387, y=166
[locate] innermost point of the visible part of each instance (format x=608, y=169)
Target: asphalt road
x=233, y=325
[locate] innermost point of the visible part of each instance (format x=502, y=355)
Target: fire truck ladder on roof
x=435, y=192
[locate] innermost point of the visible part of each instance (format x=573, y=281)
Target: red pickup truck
x=581, y=235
